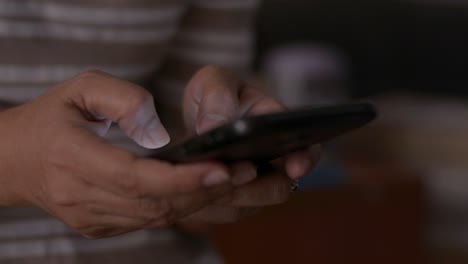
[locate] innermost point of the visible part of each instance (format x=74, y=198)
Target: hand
x=52, y=157
x=215, y=96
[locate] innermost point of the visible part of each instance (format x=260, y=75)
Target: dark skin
x=220, y=94
x=53, y=157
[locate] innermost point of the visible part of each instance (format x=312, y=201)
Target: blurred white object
x=306, y=74
x=431, y=135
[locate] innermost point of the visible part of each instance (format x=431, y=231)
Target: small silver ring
x=294, y=187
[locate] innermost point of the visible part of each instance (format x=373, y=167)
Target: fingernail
x=243, y=175
x=156, y=135
x=210, y=121
x=216, y=178
x=301, y=168
x=146, y=128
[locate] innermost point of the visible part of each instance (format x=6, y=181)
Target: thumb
x=211, y=98
x=101, y=95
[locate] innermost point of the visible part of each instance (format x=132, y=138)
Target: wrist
x=5, y=196
x=8, y=196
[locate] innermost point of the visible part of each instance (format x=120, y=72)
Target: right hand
x=52, y=157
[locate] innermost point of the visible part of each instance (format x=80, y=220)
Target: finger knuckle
x=125, y=179
x=83, y=80
x=154, y=210
x=130, y=186
x=138, y=98
x=80, y=224
x=90, y=75
x=164, y=215
x=93, y=73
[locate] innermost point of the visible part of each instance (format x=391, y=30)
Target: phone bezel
x=216, y=144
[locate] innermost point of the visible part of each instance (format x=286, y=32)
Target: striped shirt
x=156, y=43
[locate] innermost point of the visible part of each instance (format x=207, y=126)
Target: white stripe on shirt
x=52, y=30
x=20, y=95
x=41, y=247
x=34, y=228
x=90, y=15
x=59, y=73
x=224, y=58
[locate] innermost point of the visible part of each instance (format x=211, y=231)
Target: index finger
x=126, y=175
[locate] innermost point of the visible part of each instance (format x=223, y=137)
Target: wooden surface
x=358, y=223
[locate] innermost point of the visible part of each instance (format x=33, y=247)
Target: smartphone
x=265, y=137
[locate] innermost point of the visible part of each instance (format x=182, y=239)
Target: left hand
x=215, y=96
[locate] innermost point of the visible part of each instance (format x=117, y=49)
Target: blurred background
x=393, y=192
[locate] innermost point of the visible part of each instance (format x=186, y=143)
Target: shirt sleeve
x=212, y=32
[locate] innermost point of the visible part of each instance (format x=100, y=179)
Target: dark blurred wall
x=392, y=45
